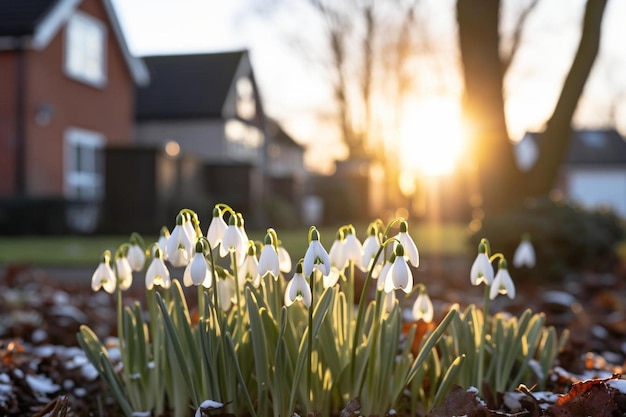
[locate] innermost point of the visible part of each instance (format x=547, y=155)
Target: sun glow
x=432, y=138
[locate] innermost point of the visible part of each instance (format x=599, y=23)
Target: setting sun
x=431, y=137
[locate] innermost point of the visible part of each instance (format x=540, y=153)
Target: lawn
x=448, y=239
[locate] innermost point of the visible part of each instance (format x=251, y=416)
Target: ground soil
x=42, y=372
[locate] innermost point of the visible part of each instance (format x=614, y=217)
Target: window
x=85, y=49
x=246, y=106
x=84, y=165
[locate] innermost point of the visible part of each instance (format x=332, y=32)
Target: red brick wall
x=108, y=110
x=7, y=122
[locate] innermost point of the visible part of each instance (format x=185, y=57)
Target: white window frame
x=83, y=175
x=81, y=60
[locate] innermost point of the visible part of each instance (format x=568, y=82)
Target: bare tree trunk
x=554, y=146
x=501, y=183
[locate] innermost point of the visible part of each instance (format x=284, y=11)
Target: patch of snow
x=80, y=392
x=89, y=372
x=599, y=331
x=69, y=311
x=38, y=336
x=68, y=384
x=115, y=354
x=141, y=414
x=41, y=384
x=4, y=378
x=60, y=297
x=210, y=405
x=512, y=400
x=45, y=351
x=151, y=365
x=558, y=298
x=5, y=393
x=18, y=373
x=618, y=384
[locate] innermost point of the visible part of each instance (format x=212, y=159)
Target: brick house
x=68, y=83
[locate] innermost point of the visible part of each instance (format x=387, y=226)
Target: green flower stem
x=350, y=295
x=233, y=257
x=309, y=376
x=483, y=335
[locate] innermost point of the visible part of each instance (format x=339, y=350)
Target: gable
x=188, y=86
x=38, y=21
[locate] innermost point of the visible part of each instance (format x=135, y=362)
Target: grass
x=446, y=239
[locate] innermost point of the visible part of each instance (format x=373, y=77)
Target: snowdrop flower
x=352, y=248
x=157, y=273
x=370, y=249
x=316, y=256
x=284, y=260
x=268, y=261
x=217, y=228
x=103, y=276
x=524, y=254
x=124, y=273
x=423, y=306
x=164, y=235
x=241, y=228
x=338, y=261
x=399, y=275
x=188, y=224
x=502, y=283
x=298, y=289
x=136, y=257
x=249, y=269
x=232, y=241
x=226, y=293
x=481, y=270
x=389, y=301
x=197, y=272
x=410, y=250
x=179, y=245
x=384, y=272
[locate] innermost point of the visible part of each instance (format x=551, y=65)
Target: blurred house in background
x=594, y=171
x=203, y=137
x=68, y=84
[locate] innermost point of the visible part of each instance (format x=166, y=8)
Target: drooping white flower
x=399, y=275
x=298, y=289
x=136, y=257
x=502, y=283
x=410, y=250
x=423, y=306
x=190, y=229
x=524, y=254
x=157, y=273
x=482, y=270
x=232, y=241
x=217, y=228
x=268, y=261
x=370, y=249
x=316, y=256
x=124, y=273
x=164, y=235
x=284, y=260
x=389, y=301
x=249, y=269
x=179, y=245
x=352, y=248
x=241, y=228
x=336, y=254
x=226, y=292
x=198, y=272
x=103, y=276
x=384, y=272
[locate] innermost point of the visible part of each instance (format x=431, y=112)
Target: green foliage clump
x=567, y=239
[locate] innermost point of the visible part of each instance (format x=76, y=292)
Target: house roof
x=19, y=18
x=279, y=136
x=188, y=86
x=587, y=147
x=36, y=22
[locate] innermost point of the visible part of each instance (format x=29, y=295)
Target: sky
x=287, y=85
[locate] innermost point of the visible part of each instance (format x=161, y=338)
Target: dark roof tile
x=187, y=86
x=20, y=17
